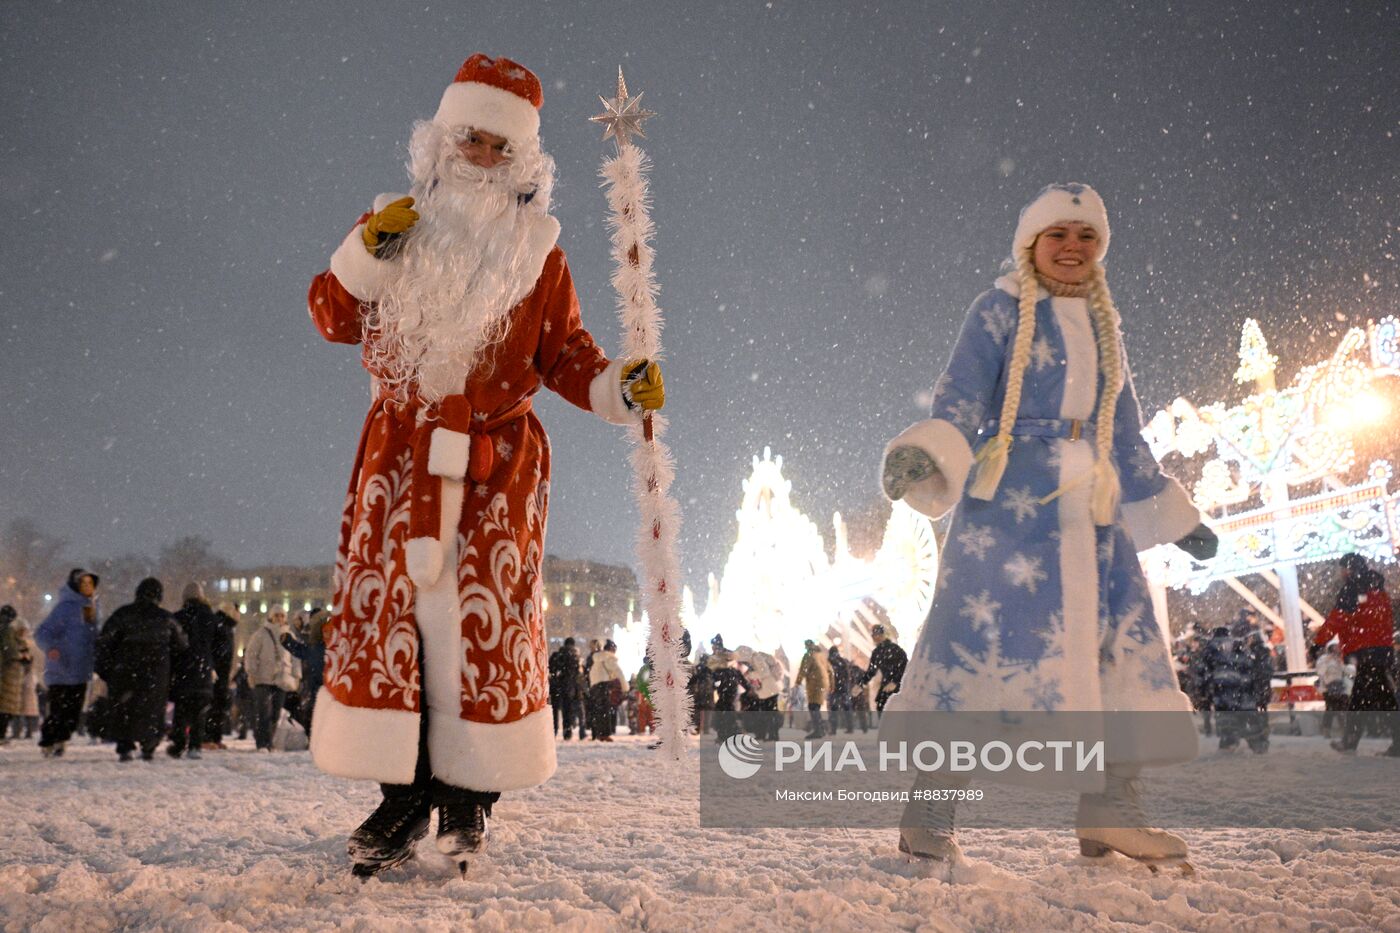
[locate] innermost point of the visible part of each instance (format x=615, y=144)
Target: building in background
x=585, y=599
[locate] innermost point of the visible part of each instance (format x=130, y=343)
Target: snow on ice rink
x=248, y=841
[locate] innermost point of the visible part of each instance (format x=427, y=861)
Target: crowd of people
x=145, y=674
x=1229, y=672
x=590, y=694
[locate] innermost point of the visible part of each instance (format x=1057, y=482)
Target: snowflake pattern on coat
x=1001, y=634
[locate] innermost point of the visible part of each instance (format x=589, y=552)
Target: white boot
x=1114, y=821
x=927, y=830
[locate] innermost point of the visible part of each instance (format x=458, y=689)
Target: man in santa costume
x=436, y=677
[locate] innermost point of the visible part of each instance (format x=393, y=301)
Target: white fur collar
x=544, y=233
x=1012, y=286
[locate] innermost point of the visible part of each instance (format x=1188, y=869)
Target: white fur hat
x=496, y=95
x=1056, y=204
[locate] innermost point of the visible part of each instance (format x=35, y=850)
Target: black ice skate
x=388, y=836
x=462, y=825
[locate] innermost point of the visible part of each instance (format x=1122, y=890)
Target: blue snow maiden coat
x=1036, y=607
x=74, y=638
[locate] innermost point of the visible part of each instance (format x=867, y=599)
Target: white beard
x=473, y=255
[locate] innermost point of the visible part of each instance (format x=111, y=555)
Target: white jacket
x=269, y=664
x=764, y=671
x=604, y=668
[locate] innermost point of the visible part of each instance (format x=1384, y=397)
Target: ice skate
x=926, y=830
x=462, y=827
x=1114, y=822
x=387, y=838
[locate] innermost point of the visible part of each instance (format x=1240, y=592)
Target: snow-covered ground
x=243, y=840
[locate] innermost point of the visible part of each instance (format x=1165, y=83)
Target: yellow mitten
x=642, y=385
x=395, y=218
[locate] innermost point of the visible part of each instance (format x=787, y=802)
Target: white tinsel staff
x=626, y=184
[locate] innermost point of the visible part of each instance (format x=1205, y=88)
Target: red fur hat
x=496, y=95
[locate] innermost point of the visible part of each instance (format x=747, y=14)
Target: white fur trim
x=1056, y=205
x=492, y=756
x=362, y=275
x=950, y=452
x=471, y=103
x=543, y=235
x=605, y=396
x=364, y=744
x=383, y=200
x=1163, y=519
x=423, y=560
x=448, y=453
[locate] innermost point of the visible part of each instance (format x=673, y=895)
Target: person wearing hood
x=605, y=688
x=134, y=654
x=68, y=638
x=1362, y=621
x=272, y=672
x=16, y=659
x=1034, y=444
x=192, y=672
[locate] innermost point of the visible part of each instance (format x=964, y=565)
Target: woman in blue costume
x=1041, y=603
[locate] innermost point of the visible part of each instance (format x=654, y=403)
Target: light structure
x=1276, y=444
x=779, y=587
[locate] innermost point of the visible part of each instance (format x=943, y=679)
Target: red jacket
x=1370, y=625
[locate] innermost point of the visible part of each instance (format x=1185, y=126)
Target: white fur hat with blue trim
x=1057, y=204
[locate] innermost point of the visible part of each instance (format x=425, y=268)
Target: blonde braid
x=1106, y=485
x=991, y=459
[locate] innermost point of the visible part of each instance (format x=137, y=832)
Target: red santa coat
x=442, y=540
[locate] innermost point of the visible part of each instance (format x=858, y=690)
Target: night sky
x=834, y=183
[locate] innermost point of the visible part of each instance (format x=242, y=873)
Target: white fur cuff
x=949, y=450
x=605, y=396
x=448, y=453
x=1163, y=519
x=364, y=744
x=423, y=560
x=362, y=275
x=492, y=756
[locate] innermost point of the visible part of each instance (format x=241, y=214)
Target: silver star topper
x=623, y=115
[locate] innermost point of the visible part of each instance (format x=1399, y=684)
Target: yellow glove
x=384, y=225
x=642, y=385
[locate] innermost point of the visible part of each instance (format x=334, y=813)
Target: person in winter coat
x=563, y=686
x=16, y=660
x=216, y=719
x=272, y=672
x=1362, y=621
x=728, y=683
x=765, y=678
x=838, y=700
x=311, y=655
x=1332, y=681
x=701, y=687
x=465, y=307
x=133, y=656
x=814, y=673
x=68, y=638
x=192, y=673
x=606, y=685
x=1235, y=661
x=888, y=660
x=1035, y=445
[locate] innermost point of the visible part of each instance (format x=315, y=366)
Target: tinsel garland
x=653, y=467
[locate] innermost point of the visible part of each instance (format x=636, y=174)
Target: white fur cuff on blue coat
x=948, y=449
x=1163, y=519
